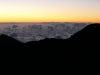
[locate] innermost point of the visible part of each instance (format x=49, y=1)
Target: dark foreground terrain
x=78, y=55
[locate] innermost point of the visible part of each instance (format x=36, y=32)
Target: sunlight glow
x=49, y=10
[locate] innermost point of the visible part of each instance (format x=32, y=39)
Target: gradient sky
x=49, y=10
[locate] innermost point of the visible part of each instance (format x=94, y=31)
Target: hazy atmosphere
x=49, y=10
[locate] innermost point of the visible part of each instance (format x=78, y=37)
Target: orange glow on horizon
x=50, y=11
x=47, y=19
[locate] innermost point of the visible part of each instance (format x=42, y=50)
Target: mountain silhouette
x=6, y=41
x=77, y=55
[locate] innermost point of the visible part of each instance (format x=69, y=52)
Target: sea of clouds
x=26, y=32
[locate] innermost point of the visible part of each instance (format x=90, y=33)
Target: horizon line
x=50, y=22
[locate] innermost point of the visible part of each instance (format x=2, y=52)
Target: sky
x=50, y=11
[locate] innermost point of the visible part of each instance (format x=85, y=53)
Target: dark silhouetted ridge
x=88, y=34
x=78, y=55
x=8, y=40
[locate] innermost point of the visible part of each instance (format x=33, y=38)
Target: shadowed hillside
x=77, y=55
